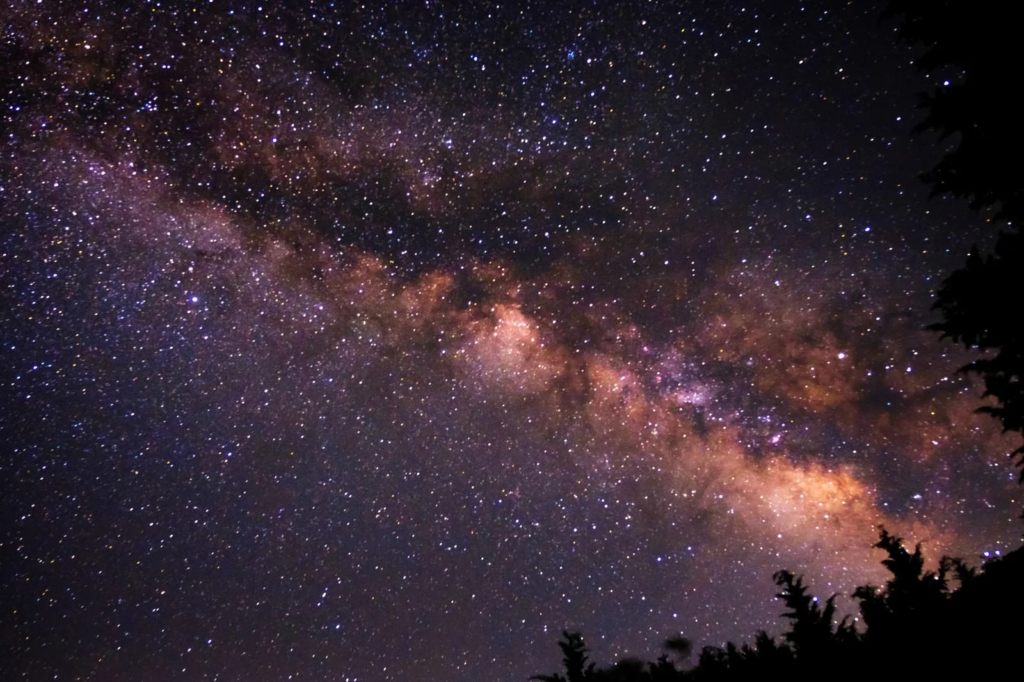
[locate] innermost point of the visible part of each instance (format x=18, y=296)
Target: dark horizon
x=339, y=338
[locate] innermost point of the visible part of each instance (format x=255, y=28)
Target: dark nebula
x=347, y=341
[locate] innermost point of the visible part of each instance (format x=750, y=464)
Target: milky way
x=346, y=342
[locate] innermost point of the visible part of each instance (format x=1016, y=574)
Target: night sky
x=383, y=341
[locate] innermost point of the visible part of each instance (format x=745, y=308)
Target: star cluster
x=352, y=341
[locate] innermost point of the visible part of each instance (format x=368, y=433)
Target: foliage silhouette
x=977, y=304
x=916, y=625
x=574, y=653
x=975, y=45
x=811, y=628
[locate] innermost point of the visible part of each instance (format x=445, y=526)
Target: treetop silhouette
x=915, y=626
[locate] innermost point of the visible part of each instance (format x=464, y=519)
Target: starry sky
x=383, y=341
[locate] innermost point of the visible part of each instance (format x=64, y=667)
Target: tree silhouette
x=903, y=615
x=975, y=45
x=574, y=653
x=811, y=625
x=916, y=626
x=978, y=304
